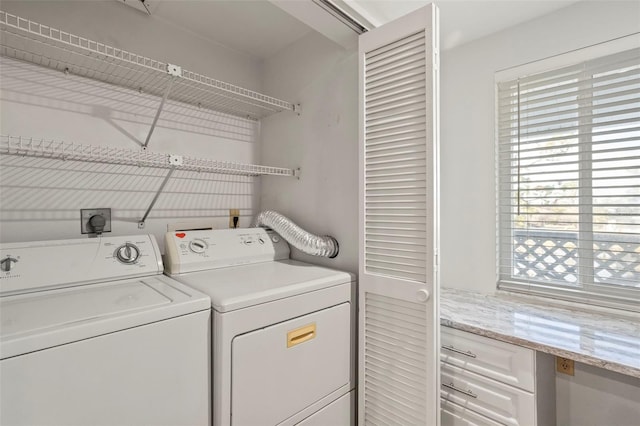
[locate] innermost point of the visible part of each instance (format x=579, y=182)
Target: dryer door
x=282, y=369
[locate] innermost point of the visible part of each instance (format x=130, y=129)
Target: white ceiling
x=255, y=27
x=261, y=28
x=461, y=21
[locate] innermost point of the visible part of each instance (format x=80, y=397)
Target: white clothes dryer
x=282, y=330
x=91, y=332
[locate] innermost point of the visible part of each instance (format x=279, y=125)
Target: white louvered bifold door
x=398, y=284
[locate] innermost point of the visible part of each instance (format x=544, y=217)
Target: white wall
x=41, y=198
x=468, y=240
x=323, y=142
x=468, y=231
x=595, y=397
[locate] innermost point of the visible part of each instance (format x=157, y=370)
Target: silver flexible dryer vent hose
x=299, y=238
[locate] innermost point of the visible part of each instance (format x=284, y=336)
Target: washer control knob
x=5, y=264
x=128, y=253
x=197, y=246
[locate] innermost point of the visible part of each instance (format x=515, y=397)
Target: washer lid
x=35, y=321
x=242, y=286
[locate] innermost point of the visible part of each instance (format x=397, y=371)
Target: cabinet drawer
x=456, y=415
x=502, y=403
x=501, y=361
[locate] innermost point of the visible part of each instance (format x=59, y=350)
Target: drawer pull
x=458, y=351
x=466, y=392
x=301, y=335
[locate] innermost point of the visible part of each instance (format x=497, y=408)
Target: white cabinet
x=488, y=382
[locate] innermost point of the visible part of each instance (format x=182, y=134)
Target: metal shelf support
x=174, y=71
x=155, y=198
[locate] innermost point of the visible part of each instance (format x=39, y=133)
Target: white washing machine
x=282, y=332
x=92, y=333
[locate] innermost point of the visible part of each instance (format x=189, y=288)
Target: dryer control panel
x=191, y=251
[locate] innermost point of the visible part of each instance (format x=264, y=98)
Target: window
x=568, y=158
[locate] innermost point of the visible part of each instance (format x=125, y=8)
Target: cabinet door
x=398, y=284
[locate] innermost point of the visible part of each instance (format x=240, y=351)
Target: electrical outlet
x=234, y=218
x=564, y=366
x=85, y=220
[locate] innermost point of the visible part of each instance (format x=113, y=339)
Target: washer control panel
x=190, y=251
x=37, y=265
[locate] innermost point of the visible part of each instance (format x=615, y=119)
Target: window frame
x=587, y=292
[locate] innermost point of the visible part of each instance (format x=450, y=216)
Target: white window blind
x=569, y=181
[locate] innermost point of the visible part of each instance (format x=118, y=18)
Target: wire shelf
x=30, y=41
x=25, y=146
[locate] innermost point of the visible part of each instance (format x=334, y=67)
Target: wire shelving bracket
x=174, y=72
x=142, y=221
x=33, y=42
x=45, y=148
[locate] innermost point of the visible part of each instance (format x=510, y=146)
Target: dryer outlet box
x=85, y=220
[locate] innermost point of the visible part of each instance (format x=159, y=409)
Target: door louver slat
x=393, y=49
x=396, y=157
x=392, y=362
x=416, y=137
x=408, y=85
x=400, y=394
x=406, y=332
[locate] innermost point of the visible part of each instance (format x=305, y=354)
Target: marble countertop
x=596, y=338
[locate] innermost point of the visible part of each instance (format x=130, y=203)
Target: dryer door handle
x=301, y=335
